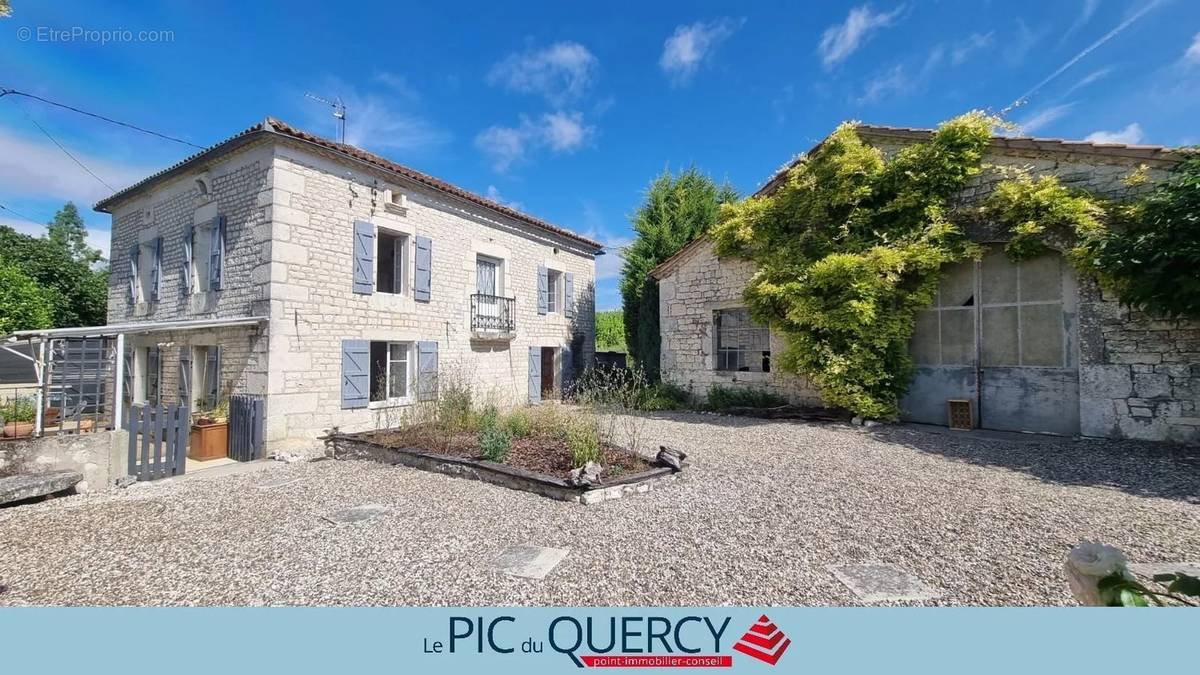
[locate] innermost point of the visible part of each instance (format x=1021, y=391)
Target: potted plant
x=210, y=433
x=16, y=415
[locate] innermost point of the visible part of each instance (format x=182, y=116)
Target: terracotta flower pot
x=18, y=429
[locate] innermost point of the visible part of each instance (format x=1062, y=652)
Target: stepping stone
x=277, y=482
x=356, y=514
x=878, y=582
x=531, y=562
x=1150, y=569
x=27, y=486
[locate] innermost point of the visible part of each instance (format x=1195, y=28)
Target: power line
x=65, y=151
x=19, y=215
x=5, y=92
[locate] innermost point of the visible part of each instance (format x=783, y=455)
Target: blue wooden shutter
x=212, y=376
x=153, y=375
x=543, y=289
x=189, y=235
x=423, y=271
x=185, y=375
x=128, y=376
x=134, y=254
x=364, y=257
x=427, y=371
x=156, y=270
x=535, y=374
x=216, y=255
x=356, y=373
x=569, y=295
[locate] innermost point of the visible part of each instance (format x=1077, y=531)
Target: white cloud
x=1017, y=47
x=1094, y=76
x=39, y=169
x=839, y=41
x=1043, y=118
x=691, y=45
x=1085, y=14
x=891, y=81
x=1130, y=135
x=560, y=132
x=561, y=72
x=493, y=193
x=375, y=122
x=1192, y=55
x=973, y=43
x=97, y=237
x=608, y=266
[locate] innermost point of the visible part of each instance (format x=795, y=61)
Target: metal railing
x=493, y=312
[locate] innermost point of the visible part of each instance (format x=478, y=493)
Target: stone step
x=27, y=486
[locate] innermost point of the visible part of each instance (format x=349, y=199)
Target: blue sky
x=567, y=111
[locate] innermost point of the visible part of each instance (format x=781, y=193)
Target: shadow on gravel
x=1139, y=468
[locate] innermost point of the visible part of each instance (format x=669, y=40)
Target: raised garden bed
x=536, y=464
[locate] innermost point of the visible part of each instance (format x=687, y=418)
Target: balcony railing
x=493, y=313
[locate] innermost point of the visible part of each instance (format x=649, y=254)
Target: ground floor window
x=740, y=343
x=391, y=375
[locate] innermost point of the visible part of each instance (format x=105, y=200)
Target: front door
x=547, y=372
x=1001, y=335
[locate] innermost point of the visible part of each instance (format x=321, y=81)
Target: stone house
x=1030, y=346
x=337, y=284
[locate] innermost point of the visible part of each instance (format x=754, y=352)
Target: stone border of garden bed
x=356, y=446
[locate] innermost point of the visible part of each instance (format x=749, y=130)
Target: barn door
x=1001, y=335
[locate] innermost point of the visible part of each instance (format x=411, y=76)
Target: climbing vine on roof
x=848, y=249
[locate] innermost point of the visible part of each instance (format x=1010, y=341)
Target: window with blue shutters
x=364, y=257
x=423, y=269
x=186, y=273
x=156, y=270
x=134, y=272
x=216, y=254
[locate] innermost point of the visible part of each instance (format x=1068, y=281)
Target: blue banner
x=565, y=640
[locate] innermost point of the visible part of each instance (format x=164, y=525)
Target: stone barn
x=1030, y=346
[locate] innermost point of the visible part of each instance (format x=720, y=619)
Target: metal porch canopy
x=117, y=330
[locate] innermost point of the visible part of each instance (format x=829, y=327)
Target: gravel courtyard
x=766, y=508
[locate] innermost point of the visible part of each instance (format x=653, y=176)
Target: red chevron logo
x=764, y=641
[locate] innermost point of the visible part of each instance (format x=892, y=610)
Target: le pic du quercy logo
x=620, y=642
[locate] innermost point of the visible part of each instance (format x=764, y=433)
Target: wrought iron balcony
x=493, y=314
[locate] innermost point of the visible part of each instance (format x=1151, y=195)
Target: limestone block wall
x=687, y=299
x=235, y=184
x=244, y=357
x=314, y=200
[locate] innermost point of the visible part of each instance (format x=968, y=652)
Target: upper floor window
x=554, y=286
x=391, y=262
x=207, y=251
x=741, y=344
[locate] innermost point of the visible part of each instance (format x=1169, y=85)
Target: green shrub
x=495, y=442
x=18, y=409
x=720, y=398
x=455, y=413
x=548, y=419
x=519, y=423
x=583, y=440
x=665, y=396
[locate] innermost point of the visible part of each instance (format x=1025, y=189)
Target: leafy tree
x=1151, y=255
x=68, y=231
x=64, y=267
x=677, y=209
x=23, y=304
x=610, y=331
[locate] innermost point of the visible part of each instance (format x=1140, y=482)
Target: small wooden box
x=209, y=441
x=961, y=417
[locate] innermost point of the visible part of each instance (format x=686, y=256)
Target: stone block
x=286, y=252
x=1105, y=381
x=1152, y=385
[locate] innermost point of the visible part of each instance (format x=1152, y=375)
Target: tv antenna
x=339, y=113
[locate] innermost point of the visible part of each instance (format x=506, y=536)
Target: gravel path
x=764, y=511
